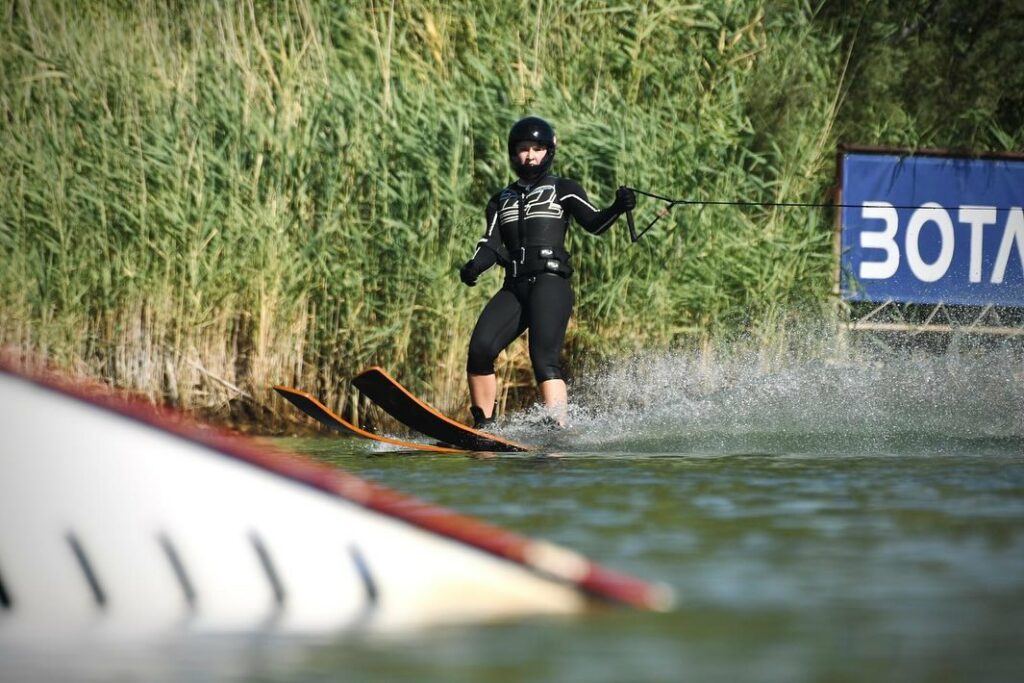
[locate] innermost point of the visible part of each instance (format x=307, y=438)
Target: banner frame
x=886, y=316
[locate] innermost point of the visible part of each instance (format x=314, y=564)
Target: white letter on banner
x=885, y=239
x=929, y=272
x=977, y=217
x=1014, y=234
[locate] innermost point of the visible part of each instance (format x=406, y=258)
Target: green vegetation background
x=199, y=200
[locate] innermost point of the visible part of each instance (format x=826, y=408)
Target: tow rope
x=672, y=202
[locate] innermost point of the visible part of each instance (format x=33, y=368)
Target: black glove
x=625, y=200
x=469, y=273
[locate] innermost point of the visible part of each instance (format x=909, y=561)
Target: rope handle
x=635, y=236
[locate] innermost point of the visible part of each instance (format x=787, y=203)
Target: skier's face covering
x=530, y=153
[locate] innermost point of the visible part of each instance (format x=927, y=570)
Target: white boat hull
x=118, y=518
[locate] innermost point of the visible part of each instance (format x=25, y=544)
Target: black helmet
x=532, y=129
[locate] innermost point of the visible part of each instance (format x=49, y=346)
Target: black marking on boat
x=267, y=563
x=178, y=567
x=98, y=595
x=363, y=569
x=5, y=597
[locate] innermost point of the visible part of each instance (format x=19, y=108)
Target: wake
x=894, y=403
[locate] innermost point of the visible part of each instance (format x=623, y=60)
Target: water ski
x=309, y=404
x=397, y=401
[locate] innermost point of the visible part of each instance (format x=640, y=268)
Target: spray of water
x=892, y=402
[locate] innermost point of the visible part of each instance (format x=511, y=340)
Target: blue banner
x=929, y=230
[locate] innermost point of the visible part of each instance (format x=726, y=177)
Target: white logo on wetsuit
x=541, y=202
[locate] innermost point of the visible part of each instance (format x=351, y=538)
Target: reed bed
x=201, y=200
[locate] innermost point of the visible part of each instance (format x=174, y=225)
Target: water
x=822, y=522
x=786, y=567
x=825, y=521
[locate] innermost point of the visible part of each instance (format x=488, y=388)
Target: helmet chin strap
x=530, y=173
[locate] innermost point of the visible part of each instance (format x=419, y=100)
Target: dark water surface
x=824, y=523
x=860, y=568
x=858, y=521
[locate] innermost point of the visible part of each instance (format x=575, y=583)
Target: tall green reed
x=201, y=200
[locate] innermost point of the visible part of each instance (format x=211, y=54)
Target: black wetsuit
x=526, y=226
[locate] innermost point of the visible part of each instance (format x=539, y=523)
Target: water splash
x=908, y=402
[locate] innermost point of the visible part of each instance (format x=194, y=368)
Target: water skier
x=525, y=233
